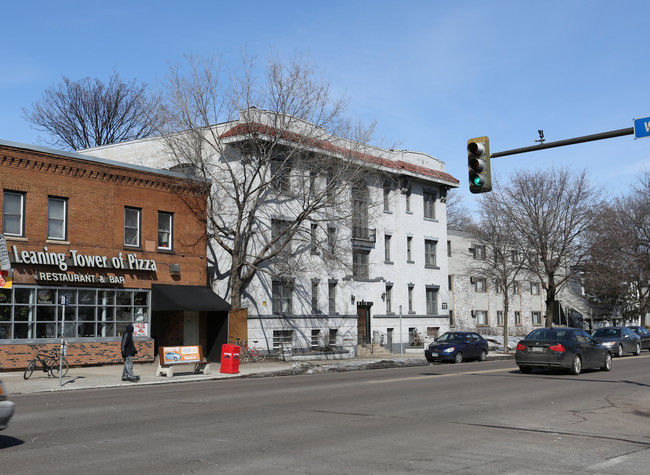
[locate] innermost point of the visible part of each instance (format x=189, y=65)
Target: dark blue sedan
x=456, y=347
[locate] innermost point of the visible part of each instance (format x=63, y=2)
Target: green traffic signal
x=478, y=164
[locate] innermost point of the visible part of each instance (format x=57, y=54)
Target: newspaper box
x=230, y=358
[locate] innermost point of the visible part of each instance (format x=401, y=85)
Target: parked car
x=618, y=339
x=644, y=334
x=570, y=348
x=6, y=407
x=456, y=347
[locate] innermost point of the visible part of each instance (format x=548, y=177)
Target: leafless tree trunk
x=504, y=263
x=89, y=113
x=283, y=162
x=549, y=212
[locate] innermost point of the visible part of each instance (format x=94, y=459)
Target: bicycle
x=246, y=352
x=50, y=363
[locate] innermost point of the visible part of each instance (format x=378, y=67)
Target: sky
x=431, y=74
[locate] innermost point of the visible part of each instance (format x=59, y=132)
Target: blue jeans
x=127, y=372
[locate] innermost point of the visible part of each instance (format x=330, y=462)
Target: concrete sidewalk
x=89, y=377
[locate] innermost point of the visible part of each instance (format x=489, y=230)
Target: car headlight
x=449, y=350
x=608, y=343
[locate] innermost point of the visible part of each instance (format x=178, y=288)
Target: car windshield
x=607, y=333
x=548, y=334
x=451, y=338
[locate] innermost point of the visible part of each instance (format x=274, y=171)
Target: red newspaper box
x=230, y=359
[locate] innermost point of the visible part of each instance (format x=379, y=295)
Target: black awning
x=186, y=297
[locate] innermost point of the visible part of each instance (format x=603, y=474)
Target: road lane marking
x=428, y=376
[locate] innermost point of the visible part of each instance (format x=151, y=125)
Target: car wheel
x=458, y=358
x=525, y=369
x=637, y=352
x=607, y=365
x=619, y=351
x=576, y=366
x=483, y=356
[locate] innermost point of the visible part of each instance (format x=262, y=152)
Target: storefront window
x=38, y=312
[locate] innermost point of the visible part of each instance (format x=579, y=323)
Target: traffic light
x=478, y=163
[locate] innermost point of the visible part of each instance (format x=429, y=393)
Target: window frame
x=431, y=296
x=138, y=229
x=282, y=297
x=430, y=251
x=429, y=204
x=21, y=216
x=63, y=220
x=170, y=240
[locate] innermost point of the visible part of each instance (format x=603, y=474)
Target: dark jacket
x=128, y=347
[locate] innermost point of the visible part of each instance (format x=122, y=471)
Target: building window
x=407, y=197
x=57, y=218
x=34, y=312
x=360, y=264
x=516, y=287
x=481, y=317
x=314, y=239
x=315, y=339
x=280, y=234
x=132, y=217
x=450, y=283
x=448, y=248
x=429, y=253
x=409, y=249
x=314, y=298
x=280, y=175
x=332, y=336
x=13, y=213
x=410, y=298
x=479, y=252
x=389, y=299
x=331, y=297
x=451, y=318
x=165, y=228
x=429, y=205
x=282, y=340
x=386, y=196
x=537, y=318
x=331, y=239
x=281, y=295
x=480, y=284
x=387, y=238
x=432, y=301
x=515, y=257
x=517, y=317
x=534, y=288
x=499, y=317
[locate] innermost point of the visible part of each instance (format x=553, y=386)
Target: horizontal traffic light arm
x=562, y=143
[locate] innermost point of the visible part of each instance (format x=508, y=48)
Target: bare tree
x=284, y=163
x=618, y=269
x=89, y=113
x=549, y=212
x=458, y=215
x=504, y=260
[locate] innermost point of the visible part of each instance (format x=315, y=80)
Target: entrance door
x=190, y=328
x=363, y=324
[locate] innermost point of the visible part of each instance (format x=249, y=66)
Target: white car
x=6, y=407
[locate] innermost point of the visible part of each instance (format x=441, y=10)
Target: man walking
x=128, y=352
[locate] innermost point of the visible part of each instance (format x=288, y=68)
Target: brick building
x=88, y=246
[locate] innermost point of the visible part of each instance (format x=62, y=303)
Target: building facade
x=475, y=302
x=89, y=246
x=392, y=286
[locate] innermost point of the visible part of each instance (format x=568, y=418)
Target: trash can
x=230, y=359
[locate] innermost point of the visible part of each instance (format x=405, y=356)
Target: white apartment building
x=475, y=303
x=395, y=285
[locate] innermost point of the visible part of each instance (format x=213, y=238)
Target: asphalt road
x=468, y=418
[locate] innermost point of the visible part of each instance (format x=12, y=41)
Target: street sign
x=642, y=128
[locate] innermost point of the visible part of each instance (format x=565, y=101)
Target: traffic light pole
x=562, y=143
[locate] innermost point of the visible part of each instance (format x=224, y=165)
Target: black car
x=560, y=347
x=618, y=339
x=644, y=334
x=456, y=347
